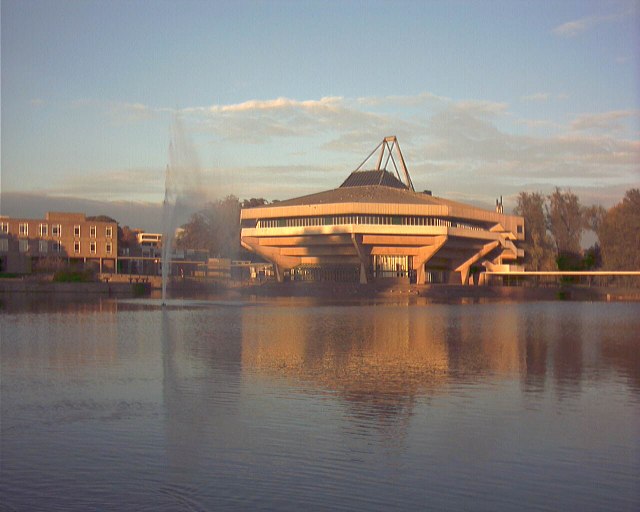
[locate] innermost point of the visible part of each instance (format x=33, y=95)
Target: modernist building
x=24, y=243
x=376, y=226
x=150, y=244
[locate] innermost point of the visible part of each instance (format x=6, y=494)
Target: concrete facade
x=375, y=227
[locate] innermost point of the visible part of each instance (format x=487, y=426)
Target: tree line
x=555, y=224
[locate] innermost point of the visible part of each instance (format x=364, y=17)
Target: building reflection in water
x=381, y=362
x=62, y=335
x=251, y=394
x=382, y=359
x=377, y=359
x=201, y=383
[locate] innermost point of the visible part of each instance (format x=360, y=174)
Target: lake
x=299, y=404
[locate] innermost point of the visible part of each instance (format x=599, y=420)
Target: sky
x=280, y=98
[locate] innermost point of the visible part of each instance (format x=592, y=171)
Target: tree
x=594, y=217
x=566, y=222
x=102, y=218
x=128, y=240
x=253, y=202
x=538, y=246
x=619, y=234
x=216, y=229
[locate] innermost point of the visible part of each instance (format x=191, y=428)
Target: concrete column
x=364, y=255
x=279, y=273
x=424, y=255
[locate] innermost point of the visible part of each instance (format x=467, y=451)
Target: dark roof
x=361, y=194
x=369, y=178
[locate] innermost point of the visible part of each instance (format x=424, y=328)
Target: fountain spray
x=183, y=193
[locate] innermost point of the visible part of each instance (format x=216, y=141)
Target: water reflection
x=379, y=359
x=375, y=406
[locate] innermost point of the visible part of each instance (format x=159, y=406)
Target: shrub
x=73, y=276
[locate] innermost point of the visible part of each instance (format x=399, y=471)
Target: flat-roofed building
x=375, y=226
x=150, y=244
x=69, y=236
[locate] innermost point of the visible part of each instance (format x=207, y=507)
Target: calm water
x=297, y=405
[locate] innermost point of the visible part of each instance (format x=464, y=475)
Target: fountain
x=183, y=192
x=168, y=229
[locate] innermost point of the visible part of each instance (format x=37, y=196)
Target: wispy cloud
x=480, y=107
x=456, y=147
x=114, y=183
x=542, y=97
x=424, y=98
x=262, y=121
x=322, y=105
x=539, y=124
x=610, y=121
x=488, y=157
x=537, y=97
x=576, y=27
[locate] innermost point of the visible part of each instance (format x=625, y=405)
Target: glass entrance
x=391, y=266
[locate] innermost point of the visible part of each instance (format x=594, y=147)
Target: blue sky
x=286, y=98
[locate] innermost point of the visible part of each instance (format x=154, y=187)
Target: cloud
x=112, y=184
x=541, y=97
x=464, y=148
x=539, y=124
x=137, y=214
x=424, y=98
x=603, y=121
x=480, y=107
x=263, y=121
x=483, y=157
x=130, y=112
x=576, y=27
x=538, y=97
x=324, y=104
x=459, y=146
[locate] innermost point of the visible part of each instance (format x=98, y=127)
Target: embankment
x=10, y=286
x=442, y=292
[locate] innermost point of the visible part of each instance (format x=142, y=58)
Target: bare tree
x=566, y=222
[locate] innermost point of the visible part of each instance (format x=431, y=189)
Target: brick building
x=26, y=244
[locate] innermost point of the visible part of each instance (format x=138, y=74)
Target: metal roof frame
x=387, y=147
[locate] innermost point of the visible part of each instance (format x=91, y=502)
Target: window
x=520, y=229
x=43, y=229
x=108, y=231
x=23, y=229
x=76, y=231
x=108, y=248
x=23, y=245
x=76, y=247
x=92, y=247
x=56, y=230
x=56, y=247
x=92, y=231
x=43, y=246
x=4, y=245
x=4, y=227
